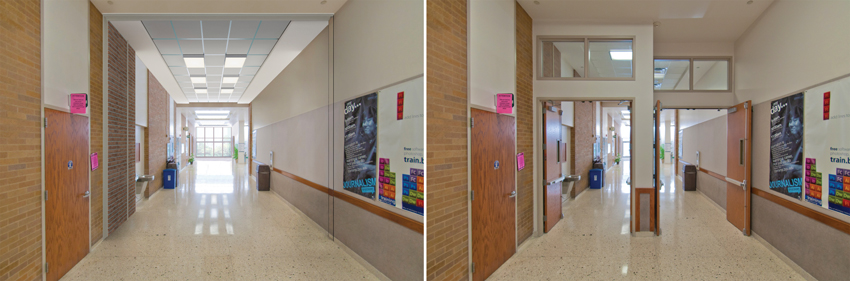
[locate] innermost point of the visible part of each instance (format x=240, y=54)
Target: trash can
x=689, y=174
x=169, y=178
x=595, y=178
x=263, y=177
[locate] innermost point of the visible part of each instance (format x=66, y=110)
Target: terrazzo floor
x=592, y=242
x=217, y=226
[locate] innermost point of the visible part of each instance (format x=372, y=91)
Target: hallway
x=592, y=242
x=217, y=226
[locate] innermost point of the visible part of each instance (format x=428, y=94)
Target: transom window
x=692, y=74
x=584, y=58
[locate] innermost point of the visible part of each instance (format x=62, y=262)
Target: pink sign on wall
x=504, y=103
x=520, y=161
x=94, y=163
x=78, y=103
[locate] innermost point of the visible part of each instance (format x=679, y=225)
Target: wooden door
x=738, y=147
x=493, y=176
x=656, y=168
x=66, y=180
x=551, y=166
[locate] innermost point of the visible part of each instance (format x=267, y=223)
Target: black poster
x=786, y=145
x=361, y=142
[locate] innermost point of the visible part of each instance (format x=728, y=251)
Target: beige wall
x=65, y=58
x=376, y=43
x=793, y=45
x=300, y=88
x=492, y=51
x=709, y=138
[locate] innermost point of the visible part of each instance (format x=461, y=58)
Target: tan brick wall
x=582, y=146
x=447, y=224
x=121, y=110
x=525, y=124
x=20, y=140
x=156, y=144
x=96, y=106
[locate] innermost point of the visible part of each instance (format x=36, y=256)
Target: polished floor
x=217, y=226
x=592, y=242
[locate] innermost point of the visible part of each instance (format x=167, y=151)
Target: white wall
x=376, y=44
x=793, y=45
x=709, y=138
x=140, y=138
x=640, y=90
x=141, y=93
x=65, y=51
x=300, y=88
x=568, y=118
x=492, y=51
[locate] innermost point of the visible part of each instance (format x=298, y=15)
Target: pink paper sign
x=94, y=161
x=78, y=103
x=504, y=103
x=520, y=161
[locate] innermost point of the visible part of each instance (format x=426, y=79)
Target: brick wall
x=447, y=252
x=121, y=111
x=20, y=141
x=96, y=107
x=156, y=144
x=525, y=123
x=582, y=145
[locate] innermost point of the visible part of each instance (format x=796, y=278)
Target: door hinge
x=46, y=268
x=472, y=267
x=544, y=217
x=471, y=195
x=472, y=122
x=45, y=122
x=45, y=195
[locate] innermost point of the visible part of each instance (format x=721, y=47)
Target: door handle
x=87, y=194
x=513, y=194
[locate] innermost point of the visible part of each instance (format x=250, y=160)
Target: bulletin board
x=827, y=146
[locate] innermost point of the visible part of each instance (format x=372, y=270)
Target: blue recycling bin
x=596, y=178
x=169, y=178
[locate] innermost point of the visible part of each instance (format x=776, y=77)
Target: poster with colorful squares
x=401, y=146
x=827, y=146
x=413, y=198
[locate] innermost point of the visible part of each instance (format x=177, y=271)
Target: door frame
x=538, y=151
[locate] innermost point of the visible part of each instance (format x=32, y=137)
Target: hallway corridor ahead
x=216, y=226
x=592, y=242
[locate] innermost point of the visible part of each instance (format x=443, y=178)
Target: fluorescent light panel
x=212, y=116
x=212, y=112
x=226, y=91
x=194, y=61
x=621, y=54
x=201, y=91
x=229, y=80
x=199, y=80
x=234, y=61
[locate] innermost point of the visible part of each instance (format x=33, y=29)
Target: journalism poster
x=401, y=171
x=828, y=146
x=786, y=145
x=360, y=145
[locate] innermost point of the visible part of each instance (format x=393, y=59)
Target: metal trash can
x=263, y=177
x=689, y=175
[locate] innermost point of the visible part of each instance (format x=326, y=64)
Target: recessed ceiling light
x=621, y=54
x=212, y=116
x=212, y=112
x=194, y=61
x=234, y=61
x=199, y=79
x=226, y=91
x=200, y=90
x=230, y=79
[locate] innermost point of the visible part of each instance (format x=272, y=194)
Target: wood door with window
x=66, y=180
x=493, y=174
x=654, y=223
x=552, y=175
x=738, y=162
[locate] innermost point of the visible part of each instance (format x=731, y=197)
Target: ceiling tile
x=231, y=71
x=255, y=60
x=215, y=28
x=214, y=60
x=191, y=46
x=215, y=46
x=187, y=29
x=174, y=60
x=213, y=84
x=245, y=79
x=249, y=70
x=241, y=85
x=159, y=29
x=214, y=70
x=271, y=29
x=262, y=47
x=197, y=71
x=179, y=70
x=243, y=29
x=238, y=46
x=167, y=47
x=183, y=79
